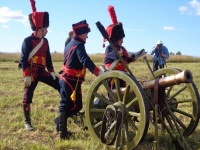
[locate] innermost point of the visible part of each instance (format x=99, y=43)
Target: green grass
x=45, y=108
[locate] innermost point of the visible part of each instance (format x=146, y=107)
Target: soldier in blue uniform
x=69, y=37
x=111, y=60
x=116, y=35
x=75, y=63
x=35, y=57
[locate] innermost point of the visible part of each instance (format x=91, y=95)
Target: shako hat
x=38, y=19
x=114, y=30
x=80, y=27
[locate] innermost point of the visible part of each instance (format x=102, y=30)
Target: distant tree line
x=177, y=53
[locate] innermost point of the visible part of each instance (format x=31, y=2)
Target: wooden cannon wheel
x=133, y=108
x=184, y=103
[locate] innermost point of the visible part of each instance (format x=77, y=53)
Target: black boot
x=56, y=121
x=64, y=134
x=27, y=122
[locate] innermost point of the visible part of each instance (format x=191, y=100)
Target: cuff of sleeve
x=50, y=70
x=96, y=71
x=26, y=72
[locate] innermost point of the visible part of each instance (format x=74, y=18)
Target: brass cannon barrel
x=182, y=77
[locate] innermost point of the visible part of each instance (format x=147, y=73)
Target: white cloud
x=7, y=15
x=196, y=5
x=5, y=26
x=183, y=10
x=192, y=9
x=168, y=28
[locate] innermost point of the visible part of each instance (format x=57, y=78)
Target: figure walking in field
x=160, y=54
x=76, y=60
x=35, y=57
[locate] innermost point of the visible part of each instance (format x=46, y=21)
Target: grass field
x=13, y=136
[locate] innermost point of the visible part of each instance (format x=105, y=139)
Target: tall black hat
x=114, y=30
x=38, y=19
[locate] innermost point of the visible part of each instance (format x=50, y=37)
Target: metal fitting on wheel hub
x=112, y=110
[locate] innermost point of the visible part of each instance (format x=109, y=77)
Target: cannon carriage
x=120, y=116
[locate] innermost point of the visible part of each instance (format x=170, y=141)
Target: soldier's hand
x=138, y=54
x=54, y=75
x=27, y=81
x=163, y=55
x=156, y=47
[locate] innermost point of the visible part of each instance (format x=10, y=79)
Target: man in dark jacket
x=69, y=38
x=35, y=57
x=116, y=34
x=76, y=61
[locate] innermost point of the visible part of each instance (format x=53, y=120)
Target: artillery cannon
x=120, y=117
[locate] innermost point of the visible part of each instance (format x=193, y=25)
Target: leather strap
x=155, y=96
x=103, y=128
x=35, y=49
x=113, y=64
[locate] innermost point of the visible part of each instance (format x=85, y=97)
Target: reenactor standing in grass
x=112, y=62
x=76, y=60
x=160, y=54
x=116, y=34
x=35, y=57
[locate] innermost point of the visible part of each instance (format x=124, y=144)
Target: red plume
x=33, y=5
x=113, y=16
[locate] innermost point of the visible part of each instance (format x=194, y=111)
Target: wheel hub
x=112, y=110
